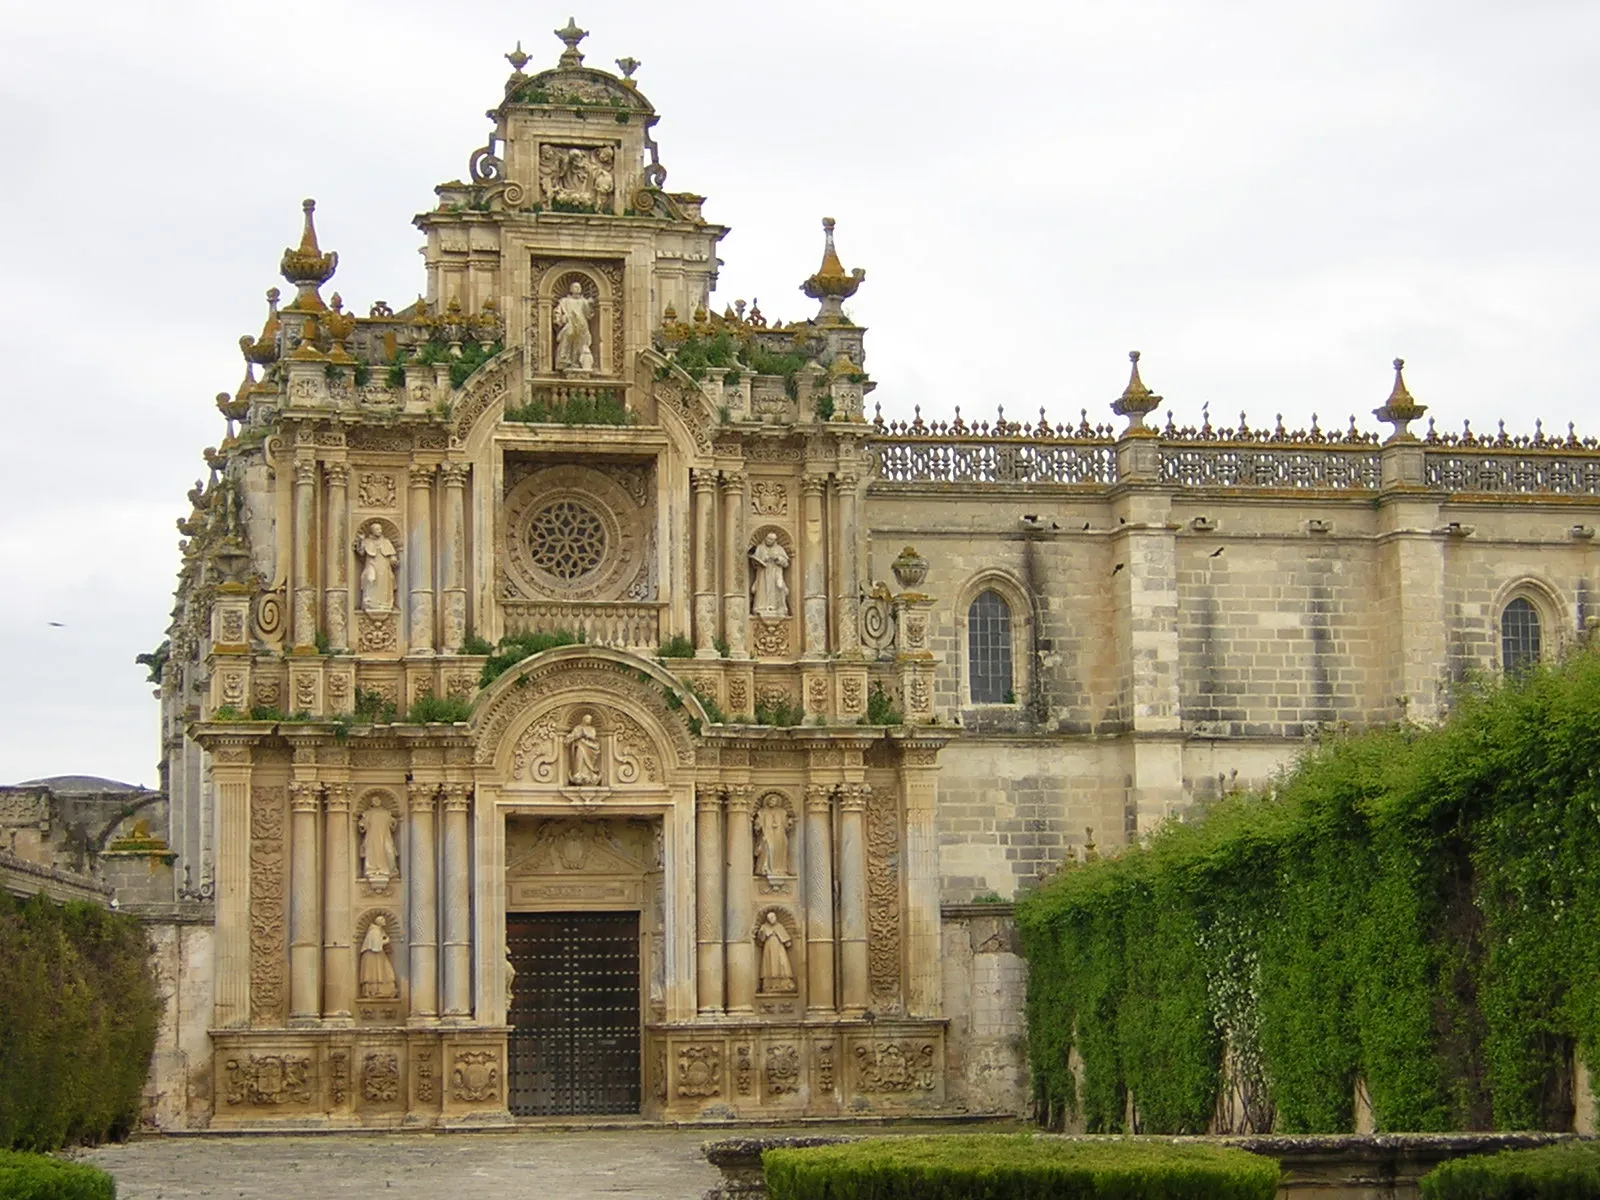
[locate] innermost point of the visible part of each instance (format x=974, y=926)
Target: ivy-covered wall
x=78, y=1014
x=1419, y=909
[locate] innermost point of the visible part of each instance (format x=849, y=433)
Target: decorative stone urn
x=910, y=568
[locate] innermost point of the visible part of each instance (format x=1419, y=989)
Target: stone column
x=304, y=617
x=454, y=556
x=305, y=936
x=457, y=903
x=419, y=556
x=705, y=579
x=337, y=960
x=919, y=784
x=816, y=569
x=422, y=870
x=854, y=986
x=738, y=940
x=336, y=600
x=735, y=572
x=708, y=897
x=230, y=776
x=849, y=573
x=819, y=899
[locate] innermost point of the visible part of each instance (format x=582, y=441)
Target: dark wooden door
x=574, y=1013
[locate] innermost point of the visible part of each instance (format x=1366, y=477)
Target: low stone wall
x=1323, y=1167
x=985, y=982
x=177, y=1092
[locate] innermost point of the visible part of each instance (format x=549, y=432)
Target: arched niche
x=598, y=282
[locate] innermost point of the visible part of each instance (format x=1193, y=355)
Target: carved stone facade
x=747, y=715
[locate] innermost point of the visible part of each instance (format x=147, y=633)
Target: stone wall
x=178, y=1090
x=985, y=983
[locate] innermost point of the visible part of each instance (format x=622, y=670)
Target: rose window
x=567, y=540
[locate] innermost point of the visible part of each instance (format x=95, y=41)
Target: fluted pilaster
x=337, y=961
x=855, y=986
x=735, y=571
x=705, y=575
x=454, y=556
x=305, y=934
x=816, y=568
x=422, y=869
x=819, y=899
x=457, y=902
x=708, y=898
x=419, y=557
x=741, y=951
x=336, y=599
x=303, y=619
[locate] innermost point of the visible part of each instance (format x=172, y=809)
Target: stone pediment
x=575, y=87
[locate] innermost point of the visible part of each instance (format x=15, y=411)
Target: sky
x=1270, y=201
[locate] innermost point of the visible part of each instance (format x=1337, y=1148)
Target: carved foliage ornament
x=268, y=1079
x=883, y=899
x=895, y=1066
x=380, y=1078
x=267, y=934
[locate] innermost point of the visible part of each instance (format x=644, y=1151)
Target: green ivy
x=606, y=409
x=515, y=647
x=881, y=710
x=1409, y=907
x=432, y=710
x=780, y=712
x=676, y=646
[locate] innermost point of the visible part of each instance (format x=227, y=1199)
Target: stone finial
x=831, y=284
x=517, y=58
x=628, y=66
x=263, y=350
x=1400, y=409
x=571, y=36
x=1136, y=402
x=307, y=267
x=910, y=568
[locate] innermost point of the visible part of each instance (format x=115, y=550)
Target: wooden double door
x=575, y=1013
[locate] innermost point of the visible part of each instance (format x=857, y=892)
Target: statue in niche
x=375, y=977
x=511, y=981
x=772, y=839
x=379, y=561
x=769, y=592
x=574, y=341
x=777, y=972
x=583, y=754
x=378, y=856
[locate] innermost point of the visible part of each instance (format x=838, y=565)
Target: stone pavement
x=647, y=1162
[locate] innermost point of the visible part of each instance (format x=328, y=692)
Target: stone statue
x=777, y=973
x=511, y=981
x=379, y=561
x=376, y=975
x=769, y=593
x=772, y=841
x=574, y=350
x=378, y=856
x=583, y=750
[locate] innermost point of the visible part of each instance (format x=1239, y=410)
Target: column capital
x=305, y=472
x=457, y=797
x=454, y=474
x=422, y=474
x=819, y=797
x=733, y=480
x=338, y=473
x=305, y=796
x=336, y=797
x=739, y=797
x=423, y=796
x=708, y=796
x=703, y=480
x=847, y=480
x=813, y=485
x=853, y=796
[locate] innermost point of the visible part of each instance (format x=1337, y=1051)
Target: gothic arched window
x=1519, y=635
x=989, y=650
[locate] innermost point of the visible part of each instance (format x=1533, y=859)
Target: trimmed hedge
x=78, y=1015
x=1569, y=1171
x=40, y=1177
x=1412, y=907
x=1016, y=1167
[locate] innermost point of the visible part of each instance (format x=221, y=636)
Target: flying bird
x=1215, y=553
x=57, y=624
x=1118, y=567
x=1086, y=526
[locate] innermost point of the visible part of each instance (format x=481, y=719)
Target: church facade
x=578, y=703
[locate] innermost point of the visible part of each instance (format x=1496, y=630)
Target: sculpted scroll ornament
x=380, y=1078
x=535, y=757
x=783, y=1069
x=699, y=1071
x=769, y=499
x=895, y=1066
x=375, y=489
x=475, y=1077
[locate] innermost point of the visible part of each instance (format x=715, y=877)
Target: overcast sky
x=1270, y=200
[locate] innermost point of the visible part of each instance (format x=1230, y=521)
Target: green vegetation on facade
x=515, y=647
x=79, y=1009
x=40, y=1177
x=604, y=408
x=999, y=1166
x=434, y=710
x=1568, y=1171
x=1412, y=907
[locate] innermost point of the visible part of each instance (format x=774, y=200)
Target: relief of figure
x=583, y=750
x=376, y=979
x=511, y=982
x=574, y=342
x=378, y=855
x=772, y=841
x=777, y=973
x=769, y=592
x=379, y=561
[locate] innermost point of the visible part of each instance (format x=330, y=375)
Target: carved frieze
x=268, y=948
x=424, y=1072
x=338, y=1077
x=895, y=1066
x=783, y=1069
x=883, y=898
x=743, y=1069
x=269, y=1079
x=825, y=1067
x=380, y=1078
